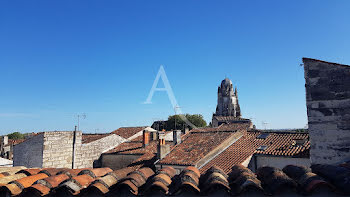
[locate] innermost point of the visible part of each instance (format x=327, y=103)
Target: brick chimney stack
x=162, y=148
x=176, y=137
x=145, y=139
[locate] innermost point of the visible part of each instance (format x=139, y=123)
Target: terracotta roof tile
x=44, y=186
x=127, y=132
x=275, y=181
x=278, y=144
x=31, y=171
x=16, y=187
x=96, y=172
x=87, y=138
x=136, y=179
x=240, y=180
x=194, y=147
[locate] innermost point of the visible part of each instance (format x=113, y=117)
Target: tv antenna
x=264, y=124
x=82, y=116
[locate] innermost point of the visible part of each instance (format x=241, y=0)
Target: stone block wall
x=29, y=153
x=87, y=154
x=58, y=149
x=55, y=150
x=328, y=109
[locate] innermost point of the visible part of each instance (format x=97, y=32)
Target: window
x=262, y=148
x=299, y=142
x=263, y=136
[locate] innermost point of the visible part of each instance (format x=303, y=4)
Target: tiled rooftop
x=278, y=144
x=327, y=180
x=224, y=127
x=195, y=146
x=230, y=118
x=87, y=138
x=127, y=132
x=15, y=141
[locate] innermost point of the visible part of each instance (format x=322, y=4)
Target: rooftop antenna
x=264, y=124
x=83, y=116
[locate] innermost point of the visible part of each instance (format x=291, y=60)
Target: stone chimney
x=145, y=139
x=153, y=136
x=162, y=148
x=176, y=137
x=187, y=130
x=5, y=140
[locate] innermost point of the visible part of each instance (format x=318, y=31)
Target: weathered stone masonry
x=55, y=150
x=328, y=109
x=88, y=153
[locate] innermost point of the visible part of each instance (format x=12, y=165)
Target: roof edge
x=322, y=61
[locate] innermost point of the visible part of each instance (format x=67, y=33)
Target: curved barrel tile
x=135, y=180
x=275, y=181
x=243, y=180
x=96, y=172
x=17, y=186
x=307, y=181
x=214, y=180
x=189, y=181
x=337, y=175
x=75, y=184
x=7, y=179
x=161, y=182
x=31, y=171
x=103, y=185
x=44, y=186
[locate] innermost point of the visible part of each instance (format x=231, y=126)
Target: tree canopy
x=195, y=119
x=16, y=135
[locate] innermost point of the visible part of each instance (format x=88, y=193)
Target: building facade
x=328, y=109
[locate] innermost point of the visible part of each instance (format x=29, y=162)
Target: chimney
x=176, y=137
x=187, y=130
x=145, y=138
x=74, y=148
x=153, y=136
x=162, y=148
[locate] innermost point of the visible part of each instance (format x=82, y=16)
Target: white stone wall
x=328, y=109
x=58, y=149
x=87, y=153
x=29, y=153
x=281, y=162
x=55, y=150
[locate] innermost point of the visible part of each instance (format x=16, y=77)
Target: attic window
x=262, y=148
x=299, y=142
x=263, y=136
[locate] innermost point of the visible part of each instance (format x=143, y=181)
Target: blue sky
x=63, y=58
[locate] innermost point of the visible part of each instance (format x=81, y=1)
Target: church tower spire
x=227, y=100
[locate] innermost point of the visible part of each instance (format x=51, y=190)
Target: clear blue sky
x=62, y=58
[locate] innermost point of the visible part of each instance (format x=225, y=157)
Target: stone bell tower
x=228, y=110
x=227, y=100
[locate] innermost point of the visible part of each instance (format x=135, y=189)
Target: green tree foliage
x=195, y=119
x=16, y=135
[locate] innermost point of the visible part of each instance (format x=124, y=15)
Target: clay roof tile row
x=144, y=181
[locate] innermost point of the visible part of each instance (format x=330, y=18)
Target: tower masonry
x=228, y=109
